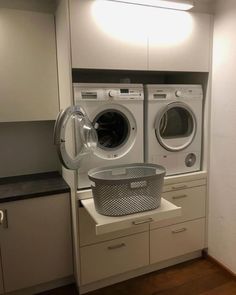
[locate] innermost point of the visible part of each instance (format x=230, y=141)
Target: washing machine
x=108, y=125
x=173, y=127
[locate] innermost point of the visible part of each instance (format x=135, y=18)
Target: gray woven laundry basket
x=126, y=189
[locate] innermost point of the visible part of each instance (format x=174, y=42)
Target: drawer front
x=176, y=240
x=114, y=257
x=87, y=230
x=192, y=202
x=110, y=224
x=183, y=185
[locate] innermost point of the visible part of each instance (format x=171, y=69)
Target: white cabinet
x=184, y=234
x=108, y=224
x=110, y=35
x=114, y=257
x=28, y=71
x=192, y=201
x=179, y=41
x=176, y=240
x=107, y=35
x=116, y=245
x=87, y=230
x=36, y=241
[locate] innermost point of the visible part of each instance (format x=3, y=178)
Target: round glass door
x=74, y=118
x=176, y=127
x=112, y=128
x=116, y=131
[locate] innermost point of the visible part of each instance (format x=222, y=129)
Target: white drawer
x=183, y=185
x=176, y=240
x=192, y=202
x=114, y=257
x=109, y=224
x=87, y=230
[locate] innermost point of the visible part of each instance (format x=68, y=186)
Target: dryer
x=108, y=124
x=173, y=127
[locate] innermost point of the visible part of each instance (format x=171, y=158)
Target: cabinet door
x=28, y=71
x=36, y=242
x=179, y=41
x=192, y=202
x=113, y=257
x=108, y=35
x=176, y=240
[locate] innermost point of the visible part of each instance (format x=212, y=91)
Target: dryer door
x=74, y=119
x=176, y=127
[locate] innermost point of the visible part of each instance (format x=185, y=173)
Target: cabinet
x=107, y=35
x=131, y=248
x=110, y=35
x=114, y=257
x=179, y=41
x=36, y=241
x=28, y=72
x=184, y=234
x=176, y=240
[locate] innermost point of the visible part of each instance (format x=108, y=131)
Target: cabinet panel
x=87, y=230
x=36, y=245
x=192, y=202
x=183, y=185
x=108, y=224
x=176, y=240
x=114, y=257
x=179, y=41
x=108, y=35
x=28, y=72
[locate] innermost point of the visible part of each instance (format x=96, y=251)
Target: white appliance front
x=116, y=113
x=173, y=127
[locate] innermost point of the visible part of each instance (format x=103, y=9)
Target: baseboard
x=211, y=258
x=43, y=287
x=138, y=272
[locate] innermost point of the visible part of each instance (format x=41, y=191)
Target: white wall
x=27, y=148
x=222, y=218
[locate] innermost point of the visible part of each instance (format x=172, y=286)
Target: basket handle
x=138, y=184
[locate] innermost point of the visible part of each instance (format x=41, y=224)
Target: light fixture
x=170, y=4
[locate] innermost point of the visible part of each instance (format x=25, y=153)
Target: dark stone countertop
x=32, y=186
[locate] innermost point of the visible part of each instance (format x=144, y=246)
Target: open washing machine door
x=86, y=136
x=176, y=127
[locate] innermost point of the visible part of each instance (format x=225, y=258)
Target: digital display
x=89, y=95
x=159, y=95
x=124, y=90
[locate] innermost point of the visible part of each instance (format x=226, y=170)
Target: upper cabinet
x=179, y=41
x=112, y=35
x=108, y=35
x=28, y=72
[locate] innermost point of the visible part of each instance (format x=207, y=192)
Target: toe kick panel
x=107, y=224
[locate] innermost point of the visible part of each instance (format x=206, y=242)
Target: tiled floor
x=196, y=277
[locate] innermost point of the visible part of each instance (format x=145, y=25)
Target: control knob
x=178, y=93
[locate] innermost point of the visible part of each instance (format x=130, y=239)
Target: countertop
x=32, y=186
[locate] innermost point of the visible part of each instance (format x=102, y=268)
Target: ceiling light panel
x=170, y=4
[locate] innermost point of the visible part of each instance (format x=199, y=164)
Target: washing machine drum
x=175, y=127
x=113, y=129
x=116, y=132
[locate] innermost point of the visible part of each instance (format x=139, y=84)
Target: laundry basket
x=126, y=189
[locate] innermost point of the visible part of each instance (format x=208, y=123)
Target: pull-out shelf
x=107, y=224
